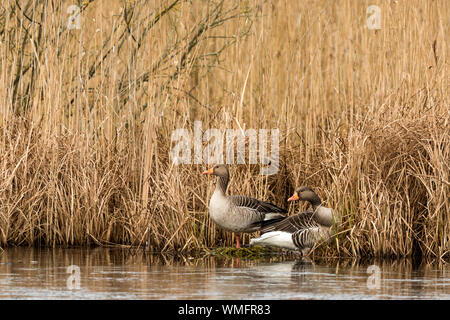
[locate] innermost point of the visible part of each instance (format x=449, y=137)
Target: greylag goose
x=239, y=213
x=303, y=230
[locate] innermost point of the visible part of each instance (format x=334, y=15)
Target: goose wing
x=255, y=204
x=254, y=213
x=292, y=224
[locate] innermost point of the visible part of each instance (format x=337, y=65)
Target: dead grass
x=86, y=118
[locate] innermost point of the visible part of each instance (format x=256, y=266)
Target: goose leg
x=237, y=241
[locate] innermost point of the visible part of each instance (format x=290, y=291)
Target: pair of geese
x=244, y=214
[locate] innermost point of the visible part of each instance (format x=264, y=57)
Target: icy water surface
x=30, y=273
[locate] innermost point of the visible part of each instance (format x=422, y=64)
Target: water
x=30, y=273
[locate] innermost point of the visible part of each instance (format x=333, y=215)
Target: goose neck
x=222, y=184
x=315, y=202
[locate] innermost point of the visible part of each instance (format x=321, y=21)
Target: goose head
x=305, y=194
x=219, y=170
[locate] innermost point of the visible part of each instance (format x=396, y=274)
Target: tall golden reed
x=87, y=112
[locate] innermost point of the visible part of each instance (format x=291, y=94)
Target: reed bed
x=87, y=112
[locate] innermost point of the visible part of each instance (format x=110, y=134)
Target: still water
x=30, y=273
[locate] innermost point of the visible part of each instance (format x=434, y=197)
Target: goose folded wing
x=255, y=204
x=299, y=221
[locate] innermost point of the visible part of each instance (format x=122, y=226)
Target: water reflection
x=99, y=273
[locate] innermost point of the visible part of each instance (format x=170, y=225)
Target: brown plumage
x=239, y=213
x=303, y=230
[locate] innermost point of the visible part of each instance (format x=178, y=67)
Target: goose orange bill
x=209, y=171
x=294, y=197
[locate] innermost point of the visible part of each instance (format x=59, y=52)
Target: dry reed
x=86, y=117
